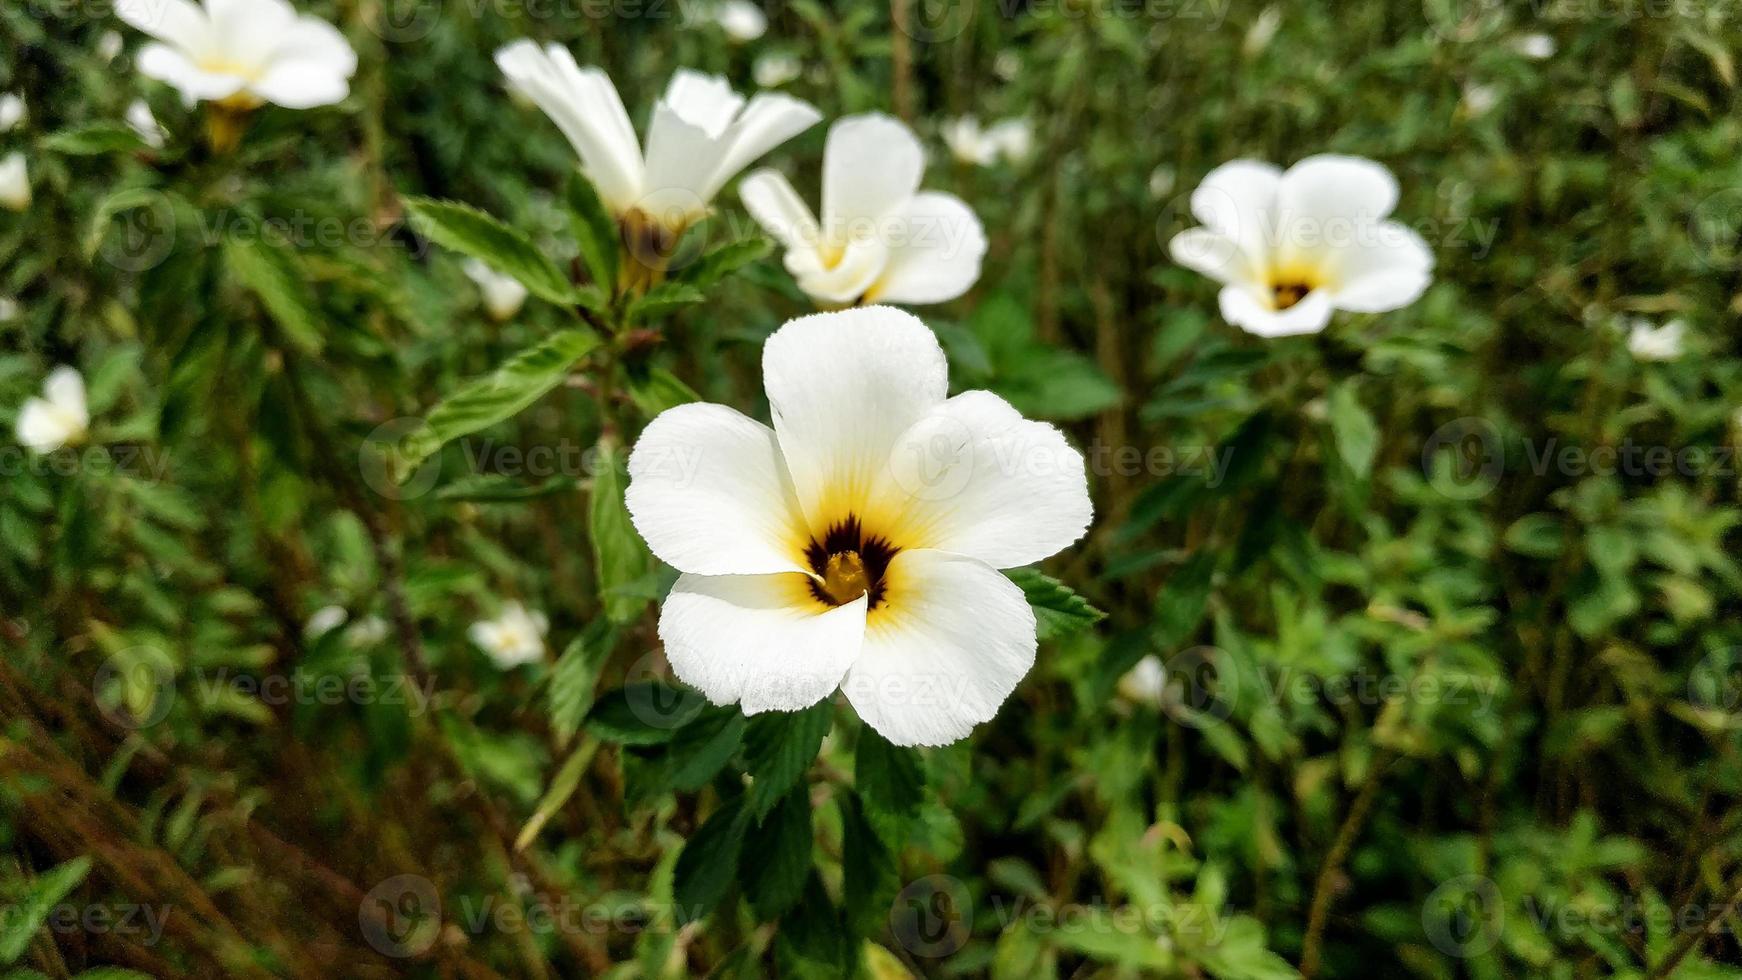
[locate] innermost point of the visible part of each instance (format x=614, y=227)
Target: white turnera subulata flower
x=141, y=120
x=513, y=638
x=856, y=544
x=12, y=112
x=881, y=239
x=1290, y=247
x=1145, y=682
x=14, y=182
x=702, y=134
x=242, y=53
x=741, y=20
x=775, y=69
x=1649, y=343
x=503, y=294
x=59, y=418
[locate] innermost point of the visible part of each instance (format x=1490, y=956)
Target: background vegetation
x=1452, y=684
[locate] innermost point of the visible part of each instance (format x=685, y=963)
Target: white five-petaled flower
x=1008, y=139
x=1649, y=343
x=742, y=20
x=880, y=240
x=1145, y=682
x=140, y=119
x=59, y=418
x=503, y=294
x=12, y=111
x=513, y=638
x=242, y=53
x=702, y=134
x=856, y=544
x=1290, y=247
x=15, y=182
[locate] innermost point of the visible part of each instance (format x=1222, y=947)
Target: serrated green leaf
x=595, y=232
x=272, y=274
x=782, y=845
x=471, y=232
x=721, y=262
x=702, y=748
x=619, y=556
x=494, y=488
x=1058, y=611
x=41, y=895
x=660, y=390
x=1536, y=535
x=664, y=299
x=889, y=777
x=813, y=940
x=779, y=747
x=96, y=138
x=709, y=861
x=644, y=713
x=870, y=873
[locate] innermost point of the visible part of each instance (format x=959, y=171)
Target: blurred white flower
x=242, y=53
x=1538, y=46
x=1161, y=181
x=12, y=111
x=9, y=309
x=503, y=294
x=881, y=239
x=14, y=182
x=1479, y=99
x=856, y=544
x=367, y=632
x=1649, y=343
x=741, y=20
x=1145, y=682
x=513, y=638
x=145, y=124
x=702, y=135
x=324, y=620
x=109, y=45
x=1290, y=247
x=775, y=69
x=1012, y=138
x=59, y=418
x=1262, y=32
x=1007, y=65
x=968, y=143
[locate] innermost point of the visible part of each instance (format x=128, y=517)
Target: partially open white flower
x=324, y=620
x=856, y=544
x=141, y=120
x=12, y=112
x=741, y=20
x=881, y=239
x=775, y=69
x=242, y=53
x=59, y=418
x=1291, y=247
x=503, y=294
x=702, y=135
x=1145, y=682
x=513, y=638
x=15, y=182
x=1649, y=343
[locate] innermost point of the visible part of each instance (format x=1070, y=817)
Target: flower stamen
x=1285, y=294
x=849, y=563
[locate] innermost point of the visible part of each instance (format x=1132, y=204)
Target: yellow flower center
x=849, y=563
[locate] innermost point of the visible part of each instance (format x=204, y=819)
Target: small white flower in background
x=741, y=20
x=702, y=135
x=324, y=620
x=503, y=294
x=367, y=632
x=12, y=112
x=775, y=69
x=1145, y=682
x=856, y=544
x=1291, y=247
x=1262, y=32
x=9, y=309
x=1649, y=343
x=59, y=418
x=109, y=45
x=242, y=53
x=139, y=117
x=1007, y=65
x=1479, y=99
x=881, y=239
x=968, y=143
x=513, y=638
x=1013, y=139
x=1161, y=181
x=1538, y=46
x=15, y=182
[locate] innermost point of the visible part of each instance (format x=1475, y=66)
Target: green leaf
x=472, y=232
x=494, y=488
x=889, y=777
x=644, y=713
x=575, y=674
x=709, y=861
x=41, y=895
x=664, y=299
x=562, y=786
x=870, y=873
x=1058, y=611
x=595, y=232
x=702, y=748
x=813, y=940
x=272, y=274
x=482, y=402
x=660, y=390
x=157, y=205
x=779, y=747
x=1536, y=535
x=721, y=262
x=1352, y=426
x=619, y=556
x=1181, y=604
x=96, y=138
x=782, y=847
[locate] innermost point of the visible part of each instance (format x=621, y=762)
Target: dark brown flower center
x=1286, y=294
x=850, y=562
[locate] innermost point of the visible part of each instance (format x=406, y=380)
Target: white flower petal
x=709, y=494
x=302, y=84
x=177, y=22
x=65, y=390
x=934, y=252
x=171, y=66
x=1388, y=269
x=248, y=31
x=950, y=641
x=586, y=107
x=1246, y=310
x=706, y=102
x=843, y=387
x=14, y=182
x=770, y=199
x=872, y=164
x=769, y=120
x=975, y=478
x=1213, y=255
x=1237, y=201
x=41, y=428
x=763, y=641
x=1333, y=188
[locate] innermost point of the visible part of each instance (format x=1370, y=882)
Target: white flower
x=702, y=135
x=1013, y=139
x=324, y=620
x=1007, y=65
x=1648, y=343
x=1479, y=99
x=1145, y=682
x=881, y=240
x=513, y=638
x=367, y=632
x=8, y=309
x=1262, y=32
x=14, y=182
x=503, y=294
x=59, y=418
x=242, y=53
x=145, y=124
x=1291, y=247
x=1161, y=181
x=110, y=45
x=1538, y=46
x=856, y=544
x=968, y=143
x=12, y=111
x=775, y=69
x=741, y=20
